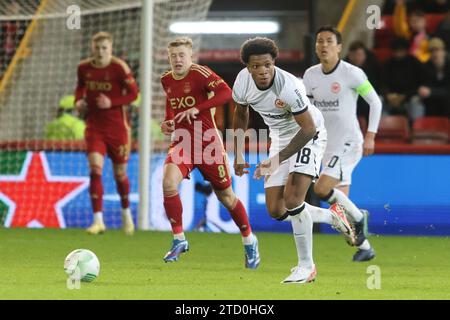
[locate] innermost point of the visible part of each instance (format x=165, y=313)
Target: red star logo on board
x=35, y=197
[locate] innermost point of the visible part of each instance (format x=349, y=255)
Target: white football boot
x=301, y=275
x=127, y=222
x=97, y=227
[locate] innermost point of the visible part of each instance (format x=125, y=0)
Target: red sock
x=239, y=215
x=174, y=210
x=96, y=192
x=123, y=188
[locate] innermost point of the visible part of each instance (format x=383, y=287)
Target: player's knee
x=120, y=176
x=275, y=211
x=170, y=187
x=228, y=200
x=95, y=170
x=321, y=190
x=293, y=202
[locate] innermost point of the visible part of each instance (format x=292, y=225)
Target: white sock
x=98, y=217
x=126, y=213
x=365, y=245
x=302, y=228
x=350, y=207
x=248, y=240
x=319, y=215
x=179, y=236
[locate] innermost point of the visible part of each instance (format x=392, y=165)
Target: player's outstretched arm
x=240, y=123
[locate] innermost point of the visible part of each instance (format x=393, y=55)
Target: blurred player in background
x=192, y=92
x=105, y=87
x=333, y=87
x=298, y=139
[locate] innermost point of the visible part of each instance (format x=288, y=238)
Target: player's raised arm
x=240, y=123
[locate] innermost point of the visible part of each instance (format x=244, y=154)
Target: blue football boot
x=178, y=247
x=364, y=255
x=252, y=255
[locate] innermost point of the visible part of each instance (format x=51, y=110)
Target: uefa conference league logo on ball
x=81, y=265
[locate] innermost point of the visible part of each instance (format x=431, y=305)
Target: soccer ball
x=82, y=264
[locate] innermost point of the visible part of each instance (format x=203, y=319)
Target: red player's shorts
x=217, y=172
x=116, y=143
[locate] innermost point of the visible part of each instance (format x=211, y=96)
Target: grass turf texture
x=132, y=267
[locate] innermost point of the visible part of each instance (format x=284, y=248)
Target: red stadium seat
x=382, y=54
x=431, y=130
x=393, y=129
x=384, y=35
x=433, y=19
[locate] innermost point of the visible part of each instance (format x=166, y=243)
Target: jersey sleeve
x=169, y=111
x=129, y=85
x=294, y=95
x=222, y=92
x=358, y=81
x=308, y=86
x=239, y=90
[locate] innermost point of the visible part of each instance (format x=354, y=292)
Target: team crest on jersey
x=280, y=103
x=335, y=87
x=187, y=87
x=169, y=90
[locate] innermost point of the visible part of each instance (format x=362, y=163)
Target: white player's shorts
x=340, y=164
x=306, y=161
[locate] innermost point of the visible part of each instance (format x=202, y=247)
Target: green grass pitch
x=31, y=267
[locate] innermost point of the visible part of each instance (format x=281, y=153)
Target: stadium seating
x=382, y=54
x=433, y=20
x=393, y=129
x=431, y=130
x=385, y=34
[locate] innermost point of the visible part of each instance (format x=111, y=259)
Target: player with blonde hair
x=193, y=91
x=105, y=87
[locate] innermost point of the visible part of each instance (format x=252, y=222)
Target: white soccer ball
x=82, y=264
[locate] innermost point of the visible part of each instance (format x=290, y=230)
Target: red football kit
x=107, y=130
x=203, y=89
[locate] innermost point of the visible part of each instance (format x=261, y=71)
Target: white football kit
x=277, y=105
x=335, y=94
